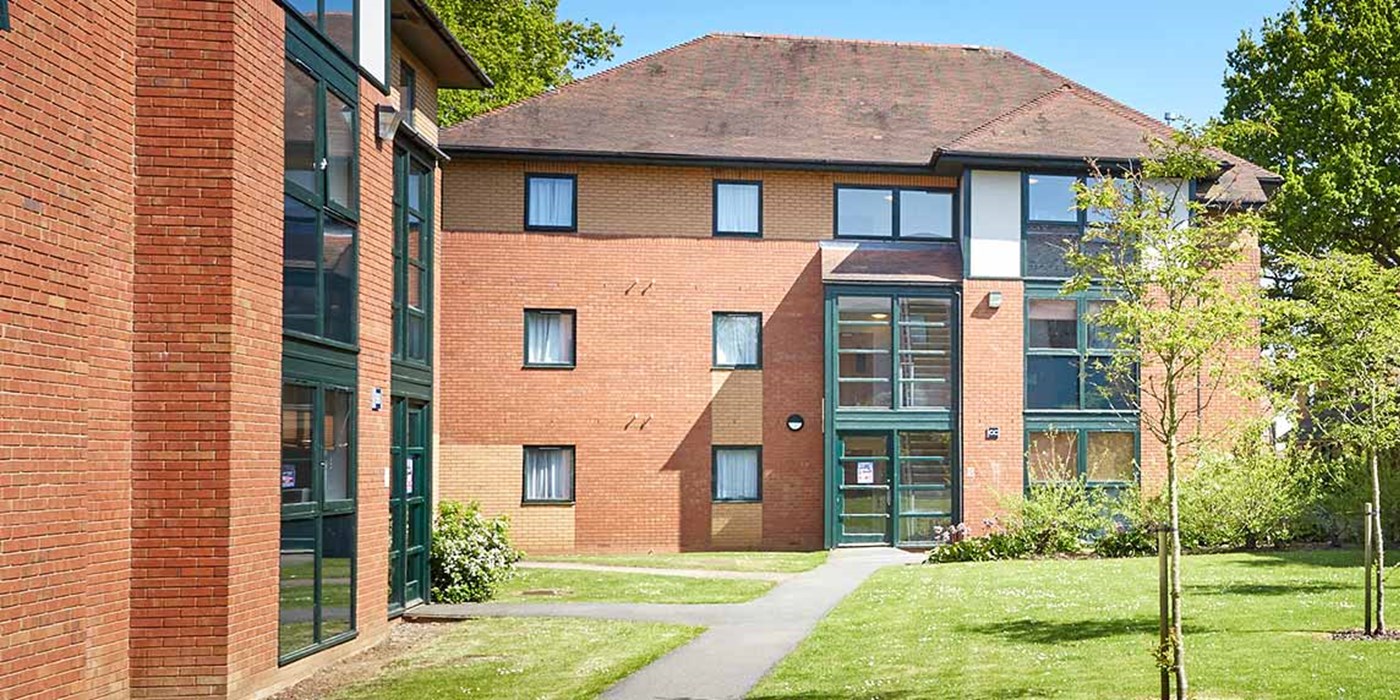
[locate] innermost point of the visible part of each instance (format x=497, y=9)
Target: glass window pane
x=864, y=446
x=1111, y=455
x=307, y=9
x=299, y=126
x=336, y=447
x=338, y=266
x=925, y=214
x=1053, y=323
x=297, y=458
x=736, y=340
x=926, y=394
x=549, y=337
x=864, y=212
x=863, y=309
x=550, y=202
x=1045, y=249
x=337, y=566
x=737, y=474
x=1125, y=191
x=866, y=502
x=415, y=287
x=417, y=338
x=926, y=458
x=736, y=208
x=865, y=394
x=299, y=252
x=296, y=609
x=863, y=337
x=925, y=311
x=415, y=238
x=863, y=365
x=408, y=92
x=865, y=525
x=926, y=501
x=549, y=474
x=1103, y=392
x=1051, y=198
x=418, y=179
x=925, y=356
x=1052, y=382
x=921, y=529
x=1053, y=455
x=340, y=150
x=1100, y=337
x=339, y=24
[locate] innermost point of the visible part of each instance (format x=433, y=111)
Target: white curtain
x=549, y=337
x=736, y=208
x=736, y=340
x=551, y=201
x=736, y=475
x=549, y=474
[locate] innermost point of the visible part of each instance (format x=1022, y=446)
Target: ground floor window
x=316, y=600
x=1101, y=456
x=894, y=485
x=738, y=474
x=549, y=474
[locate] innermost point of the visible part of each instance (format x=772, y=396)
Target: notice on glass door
x=408, y=477
x=865, y=472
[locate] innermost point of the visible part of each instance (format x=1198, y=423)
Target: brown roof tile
x=749, y=97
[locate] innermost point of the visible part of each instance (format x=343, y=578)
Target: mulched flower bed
x=1360, y=636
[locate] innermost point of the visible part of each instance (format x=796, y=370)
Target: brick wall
x=66, y=211
x=489, y=195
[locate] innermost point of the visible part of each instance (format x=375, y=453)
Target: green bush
x=1059, y=517
x=1132, y=531
x=1249, y=497
x=471, y=554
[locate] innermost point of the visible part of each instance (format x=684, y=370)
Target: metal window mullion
x=896, y=396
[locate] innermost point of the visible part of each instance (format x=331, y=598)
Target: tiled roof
x=749, y=97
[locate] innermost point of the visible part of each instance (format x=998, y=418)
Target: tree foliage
x=1323, y=78
x=523, y=46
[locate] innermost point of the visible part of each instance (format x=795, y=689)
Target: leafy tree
x=1323, y=77
x=1184, y=308
x=523, y=46
x=1335, y=338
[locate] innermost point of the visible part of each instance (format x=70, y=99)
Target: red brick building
x=215, y=266
x=756, y=291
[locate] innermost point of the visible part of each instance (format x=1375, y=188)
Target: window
x=549, y=338
x=738, y=208
x=334, y=19
x=413, y=250
x=4, y=14
x=319, y=236
x=408, y=92
x=1102, y=456
x=891, y=212
x=549, y=475
x=317, y=569
x=875, y=335
x=1068, y=356
x=738, y=474
x=738, y=340
x=1054, y=222
x=550, y=203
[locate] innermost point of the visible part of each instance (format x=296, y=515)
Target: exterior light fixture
x=386, y=121
x=994, y=300
x=795, y=422
x=879, y=316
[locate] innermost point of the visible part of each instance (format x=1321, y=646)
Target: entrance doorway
x=409, y=516
x=894, y=486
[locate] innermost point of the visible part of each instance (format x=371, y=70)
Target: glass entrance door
x=408, y=505
x=896, y=486
x=863, y=498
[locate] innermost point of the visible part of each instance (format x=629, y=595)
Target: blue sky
x=1156, y=56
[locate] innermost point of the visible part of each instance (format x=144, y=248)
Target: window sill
x=726, y=368
x=524, y=503
x=551, y=229
x=300, y=654
x=737, y=501
x=738, y=234
x=537, y=365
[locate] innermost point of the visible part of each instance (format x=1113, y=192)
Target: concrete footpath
x=743, y=640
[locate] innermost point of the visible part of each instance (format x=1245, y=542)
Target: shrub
x=1059, y=517
x=1248, y=497
x=1132, y=530
x=956, y=544
x=471, y=554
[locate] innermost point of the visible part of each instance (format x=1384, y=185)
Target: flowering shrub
x=471, y=554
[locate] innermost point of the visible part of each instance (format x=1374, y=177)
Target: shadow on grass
x=1267, y=588
x=1334, y=558
x=1044, y=632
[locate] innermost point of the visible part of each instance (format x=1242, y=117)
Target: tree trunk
x=1380, y=543
x=1174, y=563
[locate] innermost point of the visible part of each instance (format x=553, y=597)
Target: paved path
x=685, y=573
x=743, y=642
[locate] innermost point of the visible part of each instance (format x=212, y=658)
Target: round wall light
x=795, y=422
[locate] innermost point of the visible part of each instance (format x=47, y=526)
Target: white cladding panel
x=374, y=38
x=1176, y=192
x=994, y=248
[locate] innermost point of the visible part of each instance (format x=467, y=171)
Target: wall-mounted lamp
x=795, y=422
x=386, y=121
x=994, y=300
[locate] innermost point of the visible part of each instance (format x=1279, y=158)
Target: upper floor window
x=893, y=212
x=738, y=208
x=737, y=340
x=4, y=14
x=1054, y=222
x=334, y=19
x=550, y=203
x=1068, y=357
x=408, y=92
x=894, y=352
x=549, y=338
x=413, y=251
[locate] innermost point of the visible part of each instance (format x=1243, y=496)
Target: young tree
x=523, y=46
x=1184, y=310
x=1335, y=339
x=1324, y=77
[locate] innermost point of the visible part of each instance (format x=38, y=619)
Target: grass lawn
x=523, y=658
x=570, y=585
x=781, y=562
x=1256, y=627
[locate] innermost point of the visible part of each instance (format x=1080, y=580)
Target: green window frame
x=570, y=340
x=413, y=258
x=533, y=478
x=716, y=495
x=313, y=15
x=317, y=561
x=408, y=91
x=715, y=199
x=894, y=329
x=1092, y=448
x=320, y=215
x=717, y=319
x=572, y=225
x=1088, y=356
x=1043, y=234
x=896, y=196
x=4, y=14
